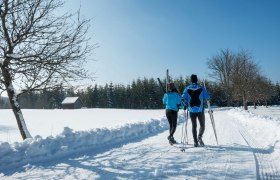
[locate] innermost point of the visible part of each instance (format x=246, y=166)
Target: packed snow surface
x=132, y=144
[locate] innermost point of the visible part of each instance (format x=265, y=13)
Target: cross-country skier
x=172, y=101
x=194, y=96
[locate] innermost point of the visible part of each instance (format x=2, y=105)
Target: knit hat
x=171, y=86
x=194, y=78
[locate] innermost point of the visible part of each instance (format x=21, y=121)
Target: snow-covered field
x=132, y=144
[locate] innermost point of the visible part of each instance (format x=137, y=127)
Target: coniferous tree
x=277, y=89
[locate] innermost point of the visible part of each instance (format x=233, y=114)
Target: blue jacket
x=194, y=96
x=171, y=100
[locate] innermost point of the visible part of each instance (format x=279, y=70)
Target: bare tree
x=238, y=74
x=39, y=49
x=243, y=79
x=264, y=90
x=221, y=66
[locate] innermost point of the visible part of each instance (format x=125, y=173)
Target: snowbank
x=264, y=129
x=69, y=142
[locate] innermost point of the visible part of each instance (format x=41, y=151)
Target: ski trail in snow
x=154, y=158
x=233, y=150
x=264, y=166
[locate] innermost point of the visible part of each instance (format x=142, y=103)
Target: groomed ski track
x=237, y=156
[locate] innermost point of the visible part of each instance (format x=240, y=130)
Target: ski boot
x=170, y=141
x=201, y=143
x=173, y=140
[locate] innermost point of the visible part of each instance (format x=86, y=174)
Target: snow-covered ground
x=132, y=144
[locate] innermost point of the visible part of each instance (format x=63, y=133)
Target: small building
x=71, y=103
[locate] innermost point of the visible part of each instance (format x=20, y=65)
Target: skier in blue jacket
x=194, y=96
x=172, y=101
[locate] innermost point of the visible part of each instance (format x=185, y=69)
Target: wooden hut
x=71, y=103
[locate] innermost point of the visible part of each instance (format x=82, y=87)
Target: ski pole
x=212, y=120
x=184, y=137
x=186, y=125
x=211, y=115
x=213, y=124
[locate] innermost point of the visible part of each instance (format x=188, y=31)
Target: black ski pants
x=172, y=119
x=201, y=118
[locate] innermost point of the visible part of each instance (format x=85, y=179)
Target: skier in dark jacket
x=194, y=96
x=172, y=101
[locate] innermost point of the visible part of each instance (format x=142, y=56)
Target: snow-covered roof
x=70, y=100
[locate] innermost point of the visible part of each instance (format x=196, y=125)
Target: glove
x=185, y=107
x=181, y=106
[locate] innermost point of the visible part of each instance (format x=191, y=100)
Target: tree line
x=143, y=93
x=236, y=80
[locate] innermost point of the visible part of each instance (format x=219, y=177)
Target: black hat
x=194, y=78
x=171, y=86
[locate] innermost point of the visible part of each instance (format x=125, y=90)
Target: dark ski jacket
x=194, y=96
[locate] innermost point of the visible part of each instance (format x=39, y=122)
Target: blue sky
x=142, y=38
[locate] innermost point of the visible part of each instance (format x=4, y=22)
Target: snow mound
x=259, y=124
x=36, y=150
x=241, y=114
